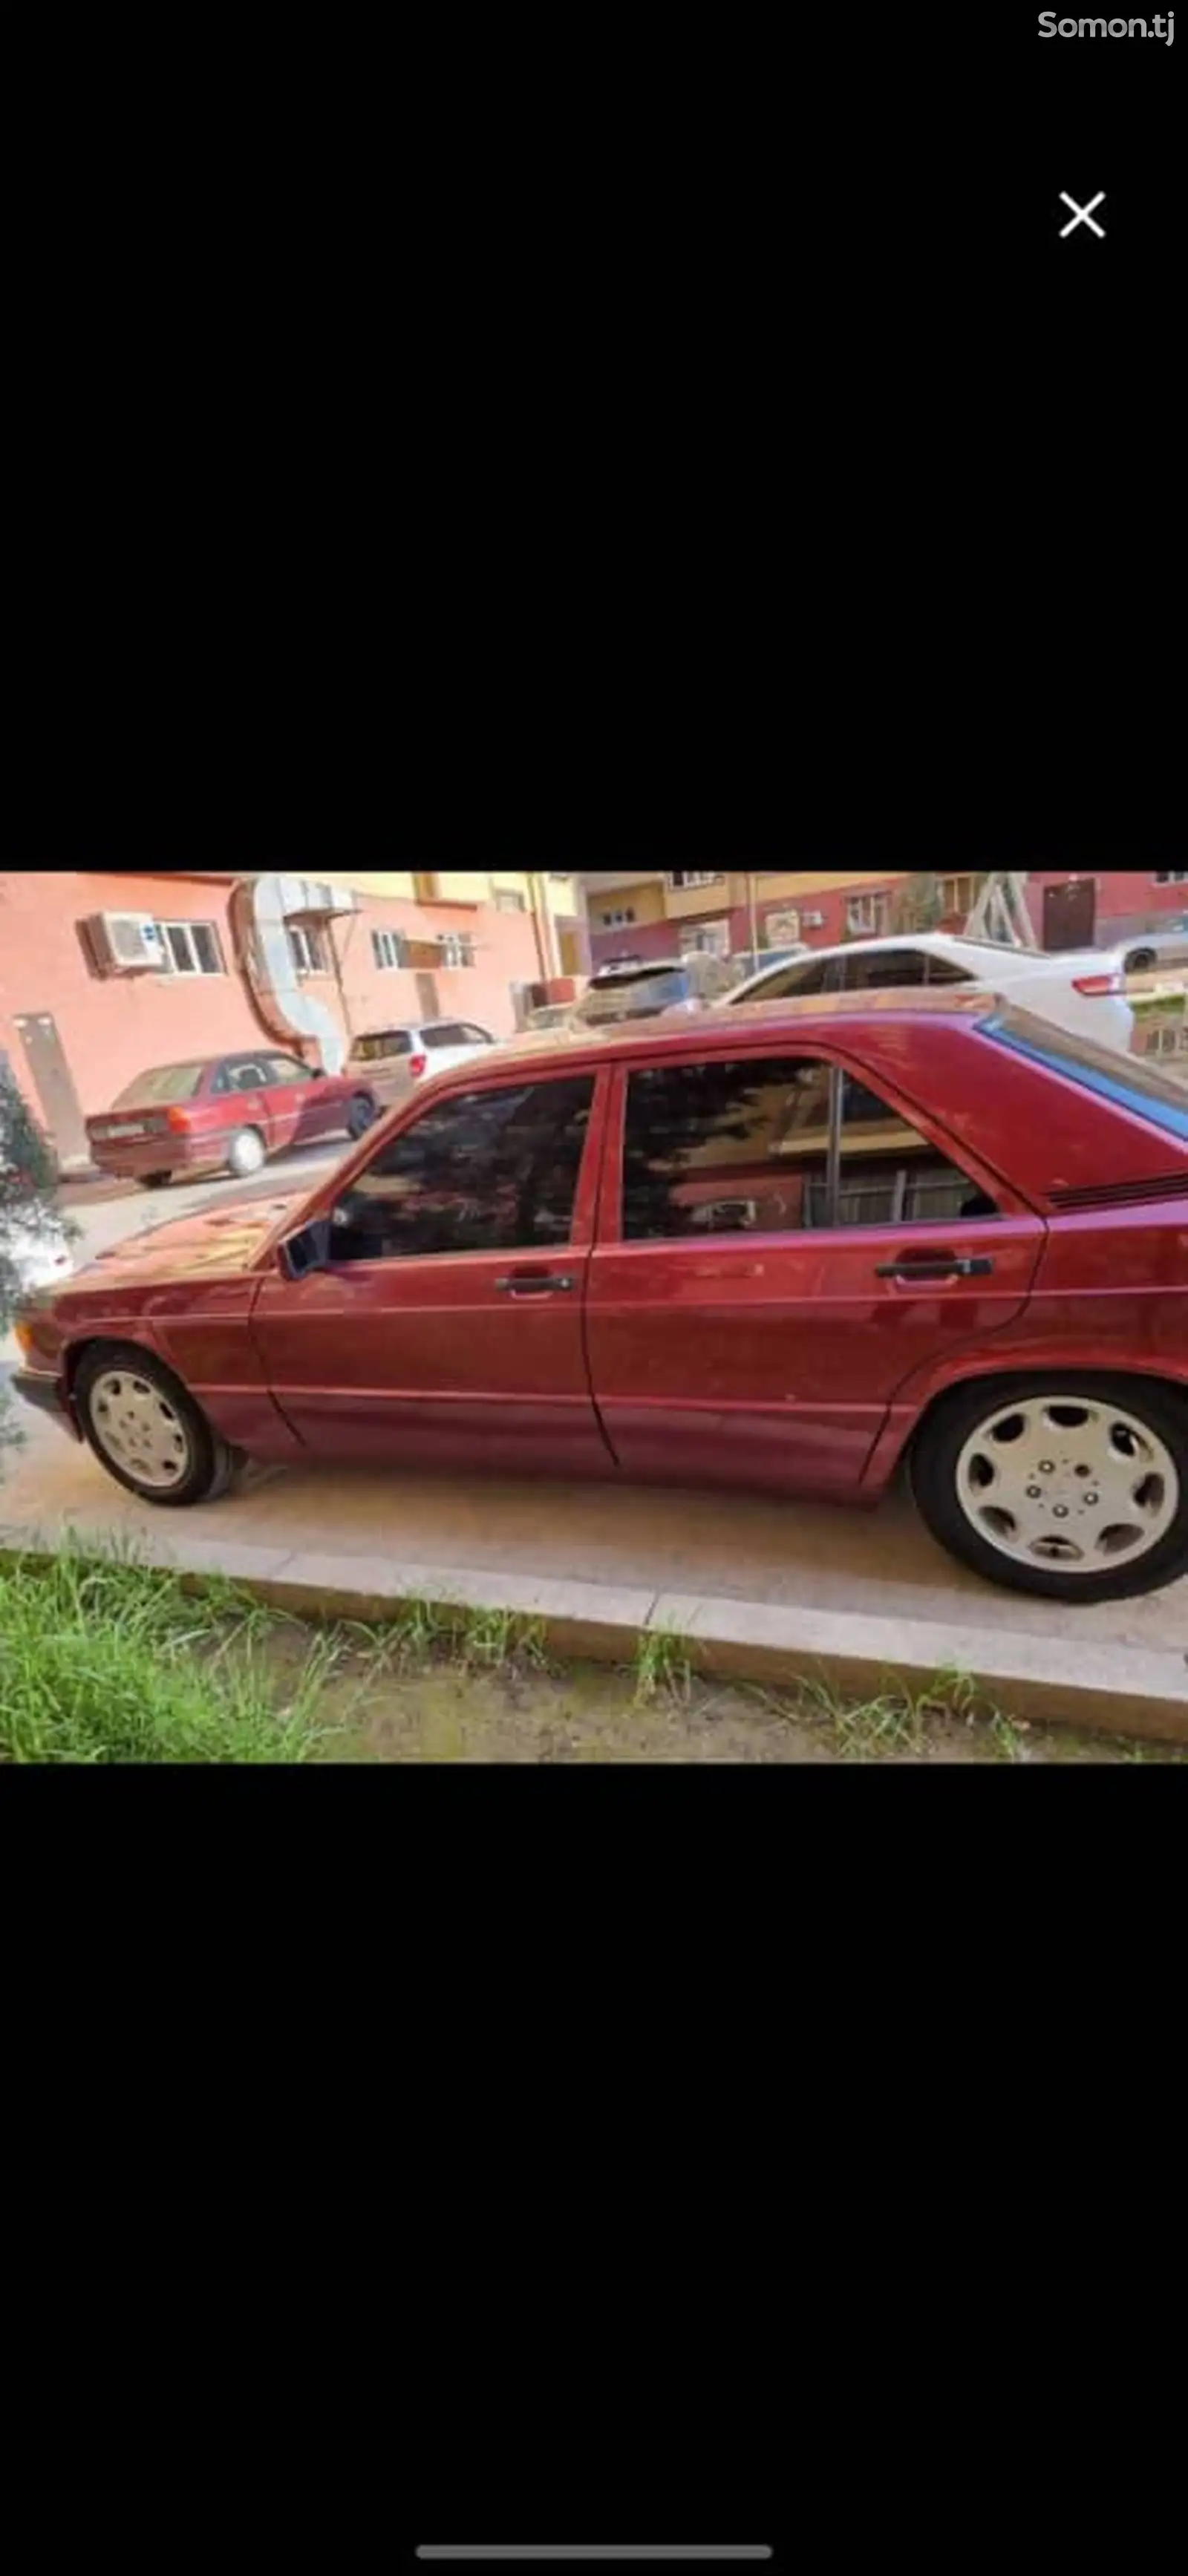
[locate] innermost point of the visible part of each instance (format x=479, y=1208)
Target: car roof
x=789, y=1016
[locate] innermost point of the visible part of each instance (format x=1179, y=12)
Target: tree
x=917, y=905
x=28, y=1214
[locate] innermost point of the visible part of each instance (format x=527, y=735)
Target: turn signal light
x=24, y=1338
x=1099, y=983
x=177, y=1121
x=417, y=1065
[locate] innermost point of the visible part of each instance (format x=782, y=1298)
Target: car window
x=445, y=1033
x=484, y=1171
x=241, y=1073
x=476, y=1036
x=376, y=1043
x=742, y=1147
x=873, y=970
x=810, y=975
x=162, y=1085
x=285, y=1068
x=945, y=970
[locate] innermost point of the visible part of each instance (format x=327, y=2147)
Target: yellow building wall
x=771, y=885
x=646, y=901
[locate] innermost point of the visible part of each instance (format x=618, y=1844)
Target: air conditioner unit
x=812, y=921
x=126, y=942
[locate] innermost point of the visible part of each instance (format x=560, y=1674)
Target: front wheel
x=155, y=1180
x=147, y=1431
x=1072, y=1487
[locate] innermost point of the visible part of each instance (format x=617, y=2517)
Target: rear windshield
x=165, y=1083
x=1129, y=1081
x=655, y=992
x=380, y=1042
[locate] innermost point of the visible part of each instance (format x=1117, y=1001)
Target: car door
x=779, y=1245
x=244, y=1092
x=446, y=1329
x=301, y=1105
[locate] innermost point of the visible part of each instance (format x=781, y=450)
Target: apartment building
x=659, y=913
x=103, y=975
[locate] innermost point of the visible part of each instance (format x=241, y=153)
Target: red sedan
x=792, y=1247
x=224, y=1113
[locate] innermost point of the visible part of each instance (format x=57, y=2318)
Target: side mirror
x=306, y=1250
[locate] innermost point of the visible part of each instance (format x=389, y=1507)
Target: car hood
x=225, y=1239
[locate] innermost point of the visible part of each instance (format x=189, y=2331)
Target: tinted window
x=475, y=1036
x=487, y=1171
x=1129, y=1081
x=381, y=1042
x=874, y=970
x=888, y=1174
x=810, y=977
x=165, y=1083
x=941, y=970
x=741, y=1148
x=445, y=1033
x=723, y=1148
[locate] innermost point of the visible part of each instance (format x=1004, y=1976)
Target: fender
x=1022, y=1357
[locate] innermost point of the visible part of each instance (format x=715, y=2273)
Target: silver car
x=1167, y=946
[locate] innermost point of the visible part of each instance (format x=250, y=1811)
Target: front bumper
x=47, y=1394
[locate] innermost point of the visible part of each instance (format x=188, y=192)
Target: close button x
x=1082, y=214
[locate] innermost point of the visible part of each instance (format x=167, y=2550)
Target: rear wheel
x=154, y=1180
x=360, y=1114
x=1072, y=1487
x=147, y=1431
x=1140, y=961
x=246, y=1152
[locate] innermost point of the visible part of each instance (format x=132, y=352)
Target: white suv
x=1081, y=989
x=393, y=1060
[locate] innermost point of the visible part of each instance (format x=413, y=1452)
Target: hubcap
x=136, y=1426
x=1069, y=1482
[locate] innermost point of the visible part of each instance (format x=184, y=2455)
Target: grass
x=106, y=1659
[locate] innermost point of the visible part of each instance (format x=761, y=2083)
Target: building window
x=618, y=920
x=387, y=948
x=683, y=880
x=710, y=939
x=866, y=915
x=1171, y=876
x=457, y=948
x=958, y=894
x=507, y=900
x=191, y=948
x=307, y=949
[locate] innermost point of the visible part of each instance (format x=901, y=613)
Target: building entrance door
x=1070, y=912
x=54, y=1085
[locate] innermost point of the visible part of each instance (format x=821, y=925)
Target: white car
x=1081, y=989
x=394, y=1059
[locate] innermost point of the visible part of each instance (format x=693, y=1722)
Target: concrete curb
x=1120, y=1691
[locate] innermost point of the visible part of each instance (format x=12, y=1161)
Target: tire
x=1140, y=961
x=980, y=1502
x=155, y=1180
x=246, y=1153
x=206, y=1464
x=361, y=1113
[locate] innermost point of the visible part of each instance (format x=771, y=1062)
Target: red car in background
x=224, y=1113
x=791, y=1247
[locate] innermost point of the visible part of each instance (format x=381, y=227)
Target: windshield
x=380, y=1042
x=1130, y=1081
x=165, y=1083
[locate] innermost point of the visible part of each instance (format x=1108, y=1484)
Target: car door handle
x=941, y=1266
x=533, y=1283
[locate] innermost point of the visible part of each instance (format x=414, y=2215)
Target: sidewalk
x=854, y=1591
